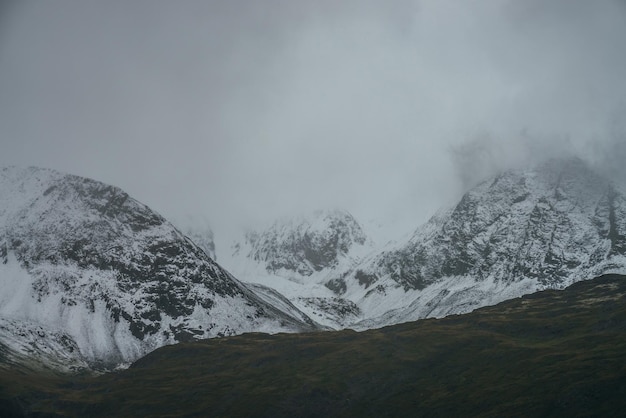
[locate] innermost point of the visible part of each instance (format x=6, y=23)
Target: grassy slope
x=548, y=354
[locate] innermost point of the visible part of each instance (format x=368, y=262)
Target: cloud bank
x=242, y=111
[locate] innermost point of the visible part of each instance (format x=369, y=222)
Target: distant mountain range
x=522, y=231
x=298, y=256
x=92, y=279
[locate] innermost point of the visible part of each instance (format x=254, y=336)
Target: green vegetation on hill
x=554, y=353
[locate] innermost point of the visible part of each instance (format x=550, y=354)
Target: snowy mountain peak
x=548, y=223
x=306, y=244
x=523, y=230
x=84, y=259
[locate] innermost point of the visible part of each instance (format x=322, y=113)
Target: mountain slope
x=298, y=255
x=28, y=346
x=553, y=353
x=85, y=259
x=305, y=244
x=520, y=232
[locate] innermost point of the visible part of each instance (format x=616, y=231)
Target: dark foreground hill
x=553, y=353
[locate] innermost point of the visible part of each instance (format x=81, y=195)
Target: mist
x=242, y=111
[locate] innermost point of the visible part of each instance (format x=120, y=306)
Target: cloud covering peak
x=244, y=110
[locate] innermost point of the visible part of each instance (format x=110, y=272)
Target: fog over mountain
x=242, y=111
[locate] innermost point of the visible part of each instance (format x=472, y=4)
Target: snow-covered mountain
x=298, y=255
x=306, y=244
x=522, y=231
x=109, y=278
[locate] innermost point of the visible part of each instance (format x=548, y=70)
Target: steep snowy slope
x=520, y=232
x=25, y=345
x=83, y=259
x=298, y=255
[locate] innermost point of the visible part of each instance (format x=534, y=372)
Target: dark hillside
x=553, y=353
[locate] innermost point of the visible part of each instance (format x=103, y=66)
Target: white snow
x=45, y=214
x=565, y=197
x=72, y=305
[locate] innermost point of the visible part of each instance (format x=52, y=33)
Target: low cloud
x=242, y=111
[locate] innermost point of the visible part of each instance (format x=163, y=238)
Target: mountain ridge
x=523, y=230
x=297, y=255
x=86, y=259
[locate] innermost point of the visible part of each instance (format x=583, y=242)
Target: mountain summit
x=298, y=255
x=306, y=244
x=519, y=232
x=90, y=264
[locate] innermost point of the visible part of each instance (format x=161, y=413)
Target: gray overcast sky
x=243, y=110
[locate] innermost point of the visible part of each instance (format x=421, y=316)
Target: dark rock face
x=554, y=224
x=306, y=245
x=91, y=248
